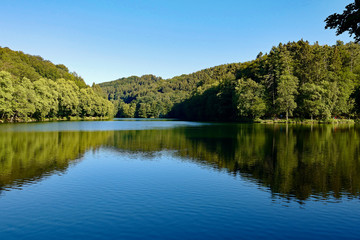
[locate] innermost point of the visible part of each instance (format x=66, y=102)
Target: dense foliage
x=150, y=96
x=32, y=67
x=294, y=79
x=32, y=88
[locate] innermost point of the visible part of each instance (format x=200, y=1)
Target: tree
x=326, y=98
x=47, y=104
x=329, y=75
x=86, y=103
x=344, y=104
x=24, y=99
x=6, y=94
x=142, y=110
x=313, y=102
x=31, y=87
x=249, y=99
x=68, y=98
x=287, y=90
x=347, y=21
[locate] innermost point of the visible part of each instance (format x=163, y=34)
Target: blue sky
x=108, y=39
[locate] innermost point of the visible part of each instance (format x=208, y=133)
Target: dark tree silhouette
x=349, y=21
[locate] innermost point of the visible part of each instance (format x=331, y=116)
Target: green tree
x=287, y=91
x=344, y=104
x=68, y=98
x=47, y=98
x=313, y=102
x=31, y=87
x=333, y=70
x=86, y=103
x=6, y=95
x=249, y=99
x=323, y=100
x=24, y=99
x=142, y=110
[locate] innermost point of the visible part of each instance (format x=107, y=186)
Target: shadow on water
x=294, y=162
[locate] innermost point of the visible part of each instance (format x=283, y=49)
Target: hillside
x=32, y=88
x=297, y=79
x=150, y=96
x=32, y=67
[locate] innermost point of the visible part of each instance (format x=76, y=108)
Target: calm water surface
x=178, y=180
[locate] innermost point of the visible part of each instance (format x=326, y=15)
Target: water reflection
x=295, y=162
x=26, y=157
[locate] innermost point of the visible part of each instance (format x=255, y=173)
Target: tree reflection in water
x=295, y=162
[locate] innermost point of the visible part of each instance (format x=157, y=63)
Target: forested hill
x=34, y=88
x=296, y=79
x=150, y=96
x=32, y=67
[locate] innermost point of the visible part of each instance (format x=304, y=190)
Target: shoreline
x=56, y=119
x=257, y=121
x=306, y=121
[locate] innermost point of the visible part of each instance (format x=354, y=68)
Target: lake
x=151, y=179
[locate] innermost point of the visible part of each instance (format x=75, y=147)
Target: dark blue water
x=177, y=181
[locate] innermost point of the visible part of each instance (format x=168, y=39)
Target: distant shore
x=261, y=121
x=307, y=121
x=54, y=119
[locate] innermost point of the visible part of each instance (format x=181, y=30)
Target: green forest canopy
x=296, y=79
x=34, y=88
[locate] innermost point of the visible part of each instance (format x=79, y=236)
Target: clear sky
x=107, y=39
